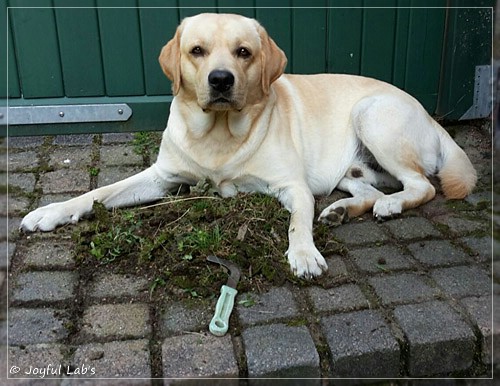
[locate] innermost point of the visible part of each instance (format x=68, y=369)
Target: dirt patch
x=169, y=243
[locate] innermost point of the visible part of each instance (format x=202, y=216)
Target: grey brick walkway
x=412, y=297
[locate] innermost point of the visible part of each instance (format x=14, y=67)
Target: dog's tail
x=458, y=176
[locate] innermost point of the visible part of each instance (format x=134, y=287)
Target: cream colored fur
x=289, y=136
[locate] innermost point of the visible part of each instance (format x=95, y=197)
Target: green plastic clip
x=220, y=322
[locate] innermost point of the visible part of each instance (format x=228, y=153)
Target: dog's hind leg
x=400, y=135
x=363, y=198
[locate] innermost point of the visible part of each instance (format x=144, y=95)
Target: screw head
x=61, y=114
x=120, y=111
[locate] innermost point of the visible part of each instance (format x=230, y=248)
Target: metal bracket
x=481, y=106
x=34, y=115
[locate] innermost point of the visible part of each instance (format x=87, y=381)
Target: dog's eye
x=197, y=51
x=243, y=52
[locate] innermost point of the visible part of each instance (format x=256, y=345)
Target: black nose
x=220, y=80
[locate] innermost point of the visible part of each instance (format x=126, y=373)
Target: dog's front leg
x=304, y=258
x=146, y=186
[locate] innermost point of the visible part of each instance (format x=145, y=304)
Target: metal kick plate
x=482, y=98
x=33, y=115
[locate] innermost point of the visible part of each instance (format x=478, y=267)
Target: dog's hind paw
x=306, y=262
x=334, y=216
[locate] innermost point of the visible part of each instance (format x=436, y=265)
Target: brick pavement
x=412, y=297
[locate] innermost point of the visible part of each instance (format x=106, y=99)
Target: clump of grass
x=169, y=243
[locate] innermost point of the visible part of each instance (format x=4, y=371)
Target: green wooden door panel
x=80, y=48
x=37, y=48
x=121, y=47
x=425, y=42
x=158, y=25
x=108, y=50
x=467, y=44
x=401, y=44
x=378, y=42
x=308, y=26
x=9, y=85
x=344, y=42
x=193, y=7
x=277, y=22
x=242, y=7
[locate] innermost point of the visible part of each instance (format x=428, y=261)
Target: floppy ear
x=170, y=61
x=273, y=60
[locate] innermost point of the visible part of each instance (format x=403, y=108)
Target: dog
x=239, y=121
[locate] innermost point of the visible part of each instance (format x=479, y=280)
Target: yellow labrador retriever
x=238, y=121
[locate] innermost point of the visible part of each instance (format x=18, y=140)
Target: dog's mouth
x=221, y=103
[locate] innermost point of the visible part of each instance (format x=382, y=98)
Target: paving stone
x=123, y=359
x=361, y=345
x=3, y=333
x=116, y=320
x=462, y=281
x=40, y=361
x=412, y=228
x=74, y=139
x=119, y=155
x=110, y=175
x=461, y=226
x=16, y=205
x=381, y=259
x=480, y=310
x=7, y=249
x=360, y=233
x=402, y=288
x=437, y=253
x=184, y=316
x=36, y=325
x=49, y=254
x=22, y=161
x=199, y=355
x=344, y=298
x=65, y=180
x=439, y=340
x=276, y=304
x=108, y=138
x=44, y=286
x=25, y=142
x=480, y=246
x=337, y=270
x=111, y=285
x=23, y=181
x=479, y=198
x=71, y=158
x=278, y=350
x=118, y=381
x=496, y=325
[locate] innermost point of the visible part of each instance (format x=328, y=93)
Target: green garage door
x=86, y=66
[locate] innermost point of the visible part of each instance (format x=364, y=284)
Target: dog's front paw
x=306, y=262
x=47, y=218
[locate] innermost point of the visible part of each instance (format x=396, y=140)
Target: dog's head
x=222, y=61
